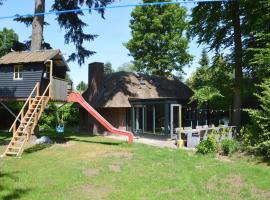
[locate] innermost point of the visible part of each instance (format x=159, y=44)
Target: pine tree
x=204, y=61
x=81, y=87
x=108, y=68
x=259, y=134
x=70, y=22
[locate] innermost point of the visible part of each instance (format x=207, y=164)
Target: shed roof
x=33, y=57
x=119, y=87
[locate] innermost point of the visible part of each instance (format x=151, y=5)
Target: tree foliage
x=235, y=26
x=126, y=67
x=258, y=135
x=212, y=83
x=73, y=25
x=9, y=40
x=108, y=68
x=206, y=95
x=158, y=43
x=81, y=87
x=68, y=113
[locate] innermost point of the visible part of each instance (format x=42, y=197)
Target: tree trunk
x=238, y=72
x=37, y=26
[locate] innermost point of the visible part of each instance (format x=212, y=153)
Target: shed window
x=18, y=75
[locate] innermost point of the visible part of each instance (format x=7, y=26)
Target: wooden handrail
x=41, y=98
x=27, y=101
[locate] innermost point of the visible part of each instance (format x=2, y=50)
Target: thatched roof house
x=125, y=98
x=118, y=88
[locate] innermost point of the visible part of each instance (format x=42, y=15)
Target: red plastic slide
x=76, y=97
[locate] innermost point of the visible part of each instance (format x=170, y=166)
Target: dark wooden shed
x=20, y=71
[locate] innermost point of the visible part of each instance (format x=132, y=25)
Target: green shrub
x=229, y=146
x=257, y=135
x=208, y=146
x=49, y=120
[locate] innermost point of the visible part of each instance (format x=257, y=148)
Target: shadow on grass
x=264, y=160
x=97, y=142
x=5, y=138
x=37, y=147
x=71, y=136
x=9, y=193
x=64, y=139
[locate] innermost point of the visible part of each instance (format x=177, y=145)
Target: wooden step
x=17, y=140
x=18, y=136
x=14, y=147
x=27, y=122
x=11, y=153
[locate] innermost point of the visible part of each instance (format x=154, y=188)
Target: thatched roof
x=33, y=57
x=121, y=86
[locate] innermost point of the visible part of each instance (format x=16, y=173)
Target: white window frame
x=18, y=74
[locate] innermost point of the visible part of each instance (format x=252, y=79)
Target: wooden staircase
x=27, y=120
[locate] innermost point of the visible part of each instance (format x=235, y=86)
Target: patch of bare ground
x=233, y=184
x=261, y=194
x=115, y=168
x=127, y=155
x=95, y=192
x=91, y=172
x=66, y=144
x=223, y=158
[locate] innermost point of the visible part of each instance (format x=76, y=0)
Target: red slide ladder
x=76, y=97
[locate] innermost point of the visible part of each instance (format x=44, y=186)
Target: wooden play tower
x=49, y=67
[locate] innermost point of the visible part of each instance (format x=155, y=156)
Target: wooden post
x=38, y=85
x=132, y=119
x=51, y=77
x=145, y=118
x=166, y=115
x=14, y=129
x=142, y=119
x=180, y=120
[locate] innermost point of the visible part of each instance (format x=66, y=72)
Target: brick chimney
x=95, y=79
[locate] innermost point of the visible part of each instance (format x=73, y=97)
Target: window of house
x=18, y=75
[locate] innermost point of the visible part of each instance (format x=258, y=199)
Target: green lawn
x=81, y=167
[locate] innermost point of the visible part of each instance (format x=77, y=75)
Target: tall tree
x=71, y=22
x=204, y=61
x=9, y=40
x=37, y=25
x=218, y=25
x=108, y=68
x=158, y=43
x=212, y=83
x=126, y=67
x=81, y=87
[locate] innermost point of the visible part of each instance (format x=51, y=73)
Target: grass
x=82, y=167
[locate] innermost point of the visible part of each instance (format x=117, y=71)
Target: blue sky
x=113, y=32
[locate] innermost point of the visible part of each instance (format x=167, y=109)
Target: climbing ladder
x=27, y=119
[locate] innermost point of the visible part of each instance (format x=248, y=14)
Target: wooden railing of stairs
x=29, y=116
